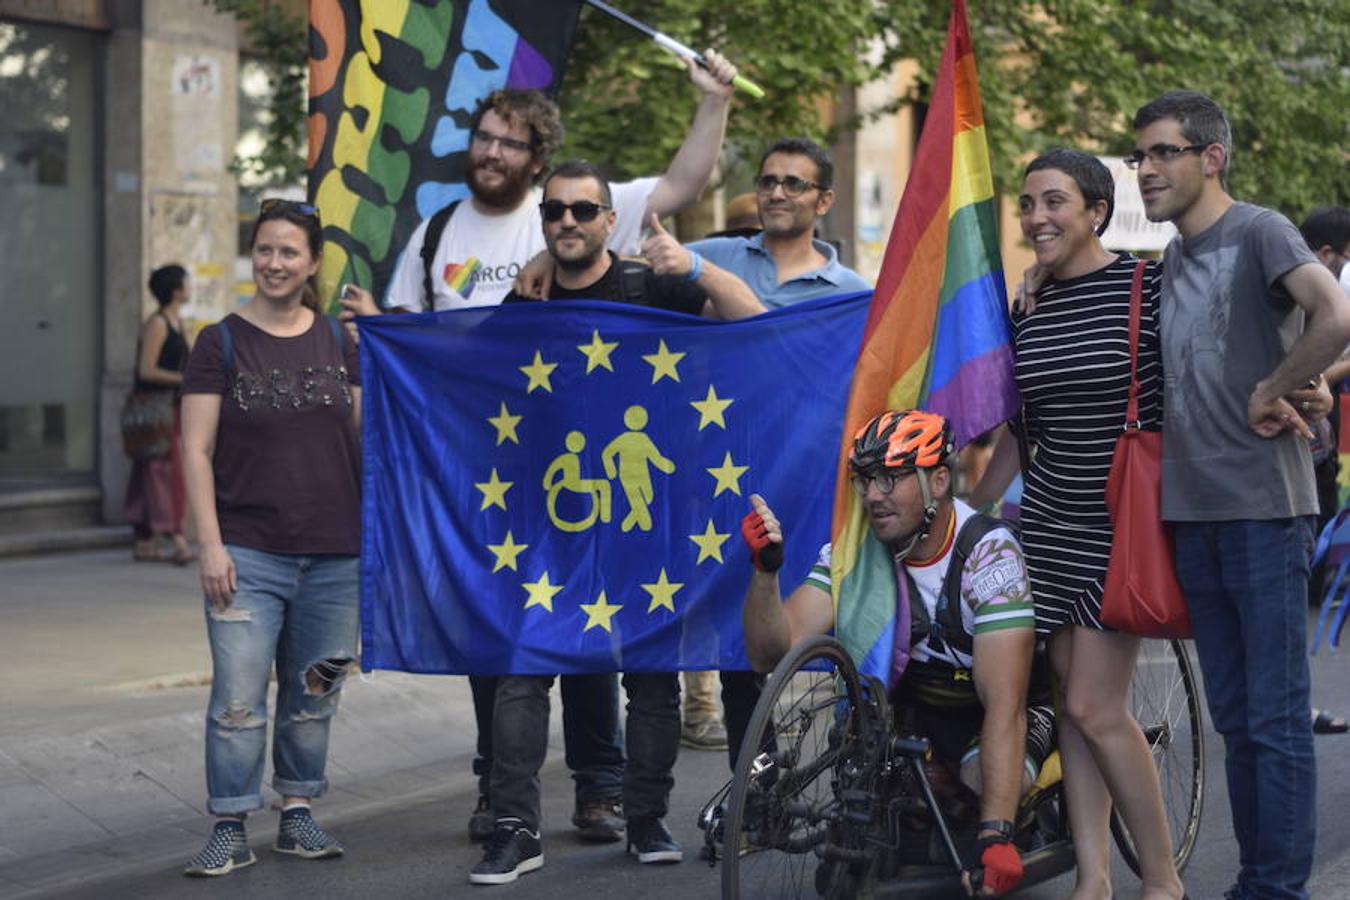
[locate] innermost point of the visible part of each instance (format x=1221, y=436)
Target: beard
x=578, y=259
x=509, y=193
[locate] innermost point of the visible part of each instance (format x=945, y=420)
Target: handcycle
x=828, y=800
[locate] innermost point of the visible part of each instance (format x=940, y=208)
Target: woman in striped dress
x=1073, y=370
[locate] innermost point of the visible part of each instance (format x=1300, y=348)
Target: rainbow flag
x=938, y=335
x=392, y=87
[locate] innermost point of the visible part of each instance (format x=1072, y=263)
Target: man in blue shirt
x=785, y=263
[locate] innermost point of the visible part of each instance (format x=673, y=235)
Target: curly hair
x=532, y=109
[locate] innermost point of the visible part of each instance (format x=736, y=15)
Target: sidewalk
x=103, y=674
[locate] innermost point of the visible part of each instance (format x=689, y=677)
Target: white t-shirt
x=480, y=256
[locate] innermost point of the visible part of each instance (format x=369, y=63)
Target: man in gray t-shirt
x=1248, y=318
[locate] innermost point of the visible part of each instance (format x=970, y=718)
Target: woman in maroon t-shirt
x=271, y=413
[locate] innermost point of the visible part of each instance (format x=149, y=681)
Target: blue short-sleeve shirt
x=748, y=259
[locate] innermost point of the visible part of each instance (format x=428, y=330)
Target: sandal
x=1324, y=722
x=182, y=553
x=151, y=551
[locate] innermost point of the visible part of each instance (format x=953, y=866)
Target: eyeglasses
x=486, y=139
x=269, y=204
x=1160, y=153
x=885, y=481
x=582, y=210
x=791, y=184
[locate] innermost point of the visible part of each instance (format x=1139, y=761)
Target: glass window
x=48, y=252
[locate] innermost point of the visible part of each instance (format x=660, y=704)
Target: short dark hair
x=1087, y=171
x=166, y=281
x=811, y=150
x=530, y=108
x=1327, y=226
x=1202, y=120
x=581, y=168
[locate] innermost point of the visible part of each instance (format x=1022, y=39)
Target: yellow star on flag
x=494, y=491
x=599, y=613
x=709, y=543
x=663, y=363
x=541, y=592
x=597, y=352
x=710, y=409
x=538, y=372
x=728, y=476
x=505, y=423
x=662, y=592
x=506, y=553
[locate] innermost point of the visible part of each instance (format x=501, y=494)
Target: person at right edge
x=1248, y=315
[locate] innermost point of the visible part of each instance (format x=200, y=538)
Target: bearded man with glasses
x=467, y=255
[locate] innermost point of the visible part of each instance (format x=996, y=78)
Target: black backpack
x=946, y=628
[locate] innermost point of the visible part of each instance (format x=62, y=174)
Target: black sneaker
x=482, y=822
x=226, y=850
x=511, y=850
x=299, y=835
x=599, y=819
x=649, y=838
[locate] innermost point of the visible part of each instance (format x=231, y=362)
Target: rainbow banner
x=392, y=87
x=938, y=335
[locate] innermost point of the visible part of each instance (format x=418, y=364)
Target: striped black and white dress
x=1073, y=369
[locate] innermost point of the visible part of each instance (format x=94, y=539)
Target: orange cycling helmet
x=902, y=439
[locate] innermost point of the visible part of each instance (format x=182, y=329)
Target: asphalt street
x=100, y=768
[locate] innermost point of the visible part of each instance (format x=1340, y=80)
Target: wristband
x=1002, y=827
x=695, y=266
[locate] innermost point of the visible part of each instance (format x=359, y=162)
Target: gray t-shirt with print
x=1227, y=322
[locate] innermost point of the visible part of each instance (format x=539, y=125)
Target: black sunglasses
x=277, y=203
x=582, y=210
x=792, y=185
x=1159, y=154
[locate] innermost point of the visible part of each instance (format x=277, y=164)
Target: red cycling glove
x=1002, y=867
x=767, y=555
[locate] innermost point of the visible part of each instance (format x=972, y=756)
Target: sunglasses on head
x=279, y=204
x=582, y=210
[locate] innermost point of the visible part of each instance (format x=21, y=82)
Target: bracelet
x=1002, y=826
x=695, y=266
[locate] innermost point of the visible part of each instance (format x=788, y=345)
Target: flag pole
x=674, y=46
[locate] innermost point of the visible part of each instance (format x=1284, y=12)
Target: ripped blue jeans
x=303, y=613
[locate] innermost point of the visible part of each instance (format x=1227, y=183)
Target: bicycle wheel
x=783, y=803
x=1165, y=700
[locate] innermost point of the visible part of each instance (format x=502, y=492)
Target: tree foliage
x=1074, y=71
x=1068, y=72
x=281, y=39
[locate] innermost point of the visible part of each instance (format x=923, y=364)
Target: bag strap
x=226, y=345
x=431, y=242
x=1136, y=314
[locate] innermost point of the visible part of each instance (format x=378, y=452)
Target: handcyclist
x=971, y=637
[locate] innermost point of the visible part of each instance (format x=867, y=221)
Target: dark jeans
x=740, y=693
x=591, y=736
x=1246, y=589
x=520, y=736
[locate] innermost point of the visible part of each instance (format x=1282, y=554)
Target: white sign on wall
x=1130, y=229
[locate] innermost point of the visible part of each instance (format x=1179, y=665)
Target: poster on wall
x=181, y=226
x=196, y=99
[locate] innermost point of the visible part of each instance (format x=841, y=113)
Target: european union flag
x=558, y=487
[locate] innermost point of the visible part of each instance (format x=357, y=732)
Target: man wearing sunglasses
x=1249, y=315
x=578, y=220
x=785, y=263
x=485, y=239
